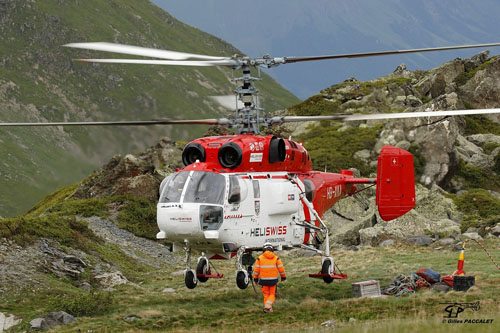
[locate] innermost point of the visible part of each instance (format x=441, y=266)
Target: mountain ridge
x=39, y=81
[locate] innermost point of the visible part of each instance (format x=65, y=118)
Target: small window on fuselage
x=256, y=188
x=234, y=196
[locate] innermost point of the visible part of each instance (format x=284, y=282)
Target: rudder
x=395, y=183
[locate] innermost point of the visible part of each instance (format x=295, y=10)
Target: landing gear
x=242, y=279
x=190, y=278
x=202, y=269
x=202, y=273
x=243, y=276
x=327, y=269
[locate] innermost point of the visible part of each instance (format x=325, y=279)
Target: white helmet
x=268, y=247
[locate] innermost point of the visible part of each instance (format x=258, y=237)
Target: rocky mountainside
x=40, y=82
x=457, y=159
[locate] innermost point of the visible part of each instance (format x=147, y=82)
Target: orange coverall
x=267, y=269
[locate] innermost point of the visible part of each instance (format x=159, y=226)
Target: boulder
x=478, y=59
x=38, y=324
x=52, y=319
x=364, y=155
x=386, y=243
x=440, y=287
x=420, y=240
x=407, y=226
x=110, y=280
x=329, y=323
x=480, y=139
x=349, y=216
x=472, y=154
x=433, y=214
x=446, y=241
x=471, y=235
x=496, y=230
x=168, y=290
x=482, y=89
x=7, y=321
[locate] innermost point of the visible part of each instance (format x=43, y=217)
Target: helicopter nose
x=174, y=220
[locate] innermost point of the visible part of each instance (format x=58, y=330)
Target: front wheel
x=190, y=279
x=242, y=280
x=325, y=269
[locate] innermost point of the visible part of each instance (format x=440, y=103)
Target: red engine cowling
x=395, y=183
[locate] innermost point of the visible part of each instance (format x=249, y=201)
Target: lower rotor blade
x=123, y=123
x=374, y=54
x=228, y=62
x=402, y=115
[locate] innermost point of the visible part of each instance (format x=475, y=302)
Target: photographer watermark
x=453, y=310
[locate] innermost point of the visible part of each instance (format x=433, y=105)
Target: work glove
x=283, y=279
x=255, y=280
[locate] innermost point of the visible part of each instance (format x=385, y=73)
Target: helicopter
x=237, y=192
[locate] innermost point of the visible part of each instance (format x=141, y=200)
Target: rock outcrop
x=356, y=221
x=137, y=174
x=7, y=321
x=52, y=319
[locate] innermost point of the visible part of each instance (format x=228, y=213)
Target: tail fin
x=395, y=183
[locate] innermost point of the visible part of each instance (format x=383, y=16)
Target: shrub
x=478, y=202
x=86, y=304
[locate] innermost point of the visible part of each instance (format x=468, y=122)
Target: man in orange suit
x=267, y=269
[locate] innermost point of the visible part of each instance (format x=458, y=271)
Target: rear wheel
x=242, y=280
x=190, y=279
x=202, y=268
x=325, y=269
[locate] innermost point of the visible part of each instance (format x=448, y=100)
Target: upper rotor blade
x=203, y=63
x=123, y=123
x=374, y=54
x=401, y=115
x=142, y=51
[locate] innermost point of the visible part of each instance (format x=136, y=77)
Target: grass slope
x=302, y=304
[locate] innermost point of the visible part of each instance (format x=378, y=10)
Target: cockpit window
x=205, y=187
x=173, y=188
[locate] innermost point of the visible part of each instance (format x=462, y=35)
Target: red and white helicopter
x=237, y=192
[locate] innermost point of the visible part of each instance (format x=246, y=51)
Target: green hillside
x=40, y=82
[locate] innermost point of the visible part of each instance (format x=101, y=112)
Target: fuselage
x=217, y=210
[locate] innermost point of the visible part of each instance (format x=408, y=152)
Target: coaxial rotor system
x=247, y=117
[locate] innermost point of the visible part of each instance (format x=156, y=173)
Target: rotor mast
x=247, y=117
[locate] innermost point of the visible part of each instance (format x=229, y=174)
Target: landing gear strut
x=327, y=272
x=243, y=276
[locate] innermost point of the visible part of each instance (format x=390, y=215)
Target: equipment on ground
x=237, y=192
x=369, y=288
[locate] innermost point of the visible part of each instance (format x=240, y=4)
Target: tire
x=325, y=268
x=190, y=280
x=200, y=269
x=240, y=280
